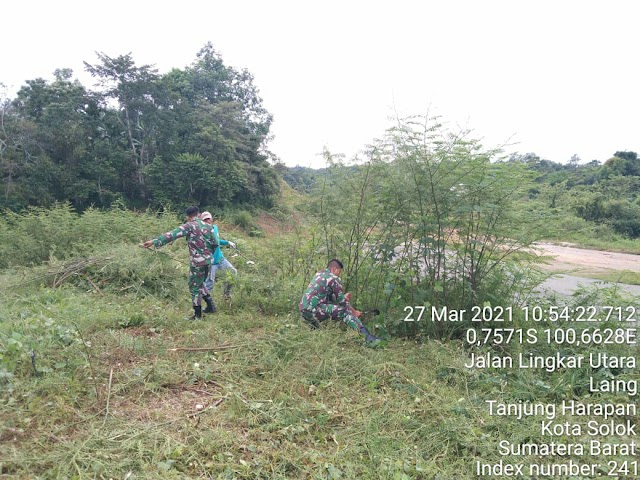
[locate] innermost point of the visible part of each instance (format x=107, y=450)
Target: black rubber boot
x=227, y=291
x=313, y=323
x=370, y=340
x=211, y=308
x=197, y=309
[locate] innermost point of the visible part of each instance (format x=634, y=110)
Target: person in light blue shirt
x=218, y=263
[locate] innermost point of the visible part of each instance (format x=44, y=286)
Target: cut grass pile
x=127, y=387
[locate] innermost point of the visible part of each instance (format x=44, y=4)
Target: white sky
x=559, y=77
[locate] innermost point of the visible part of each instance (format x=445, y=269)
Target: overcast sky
x=553, y=77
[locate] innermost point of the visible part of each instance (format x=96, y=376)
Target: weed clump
x=40, y=235
x=243, y=219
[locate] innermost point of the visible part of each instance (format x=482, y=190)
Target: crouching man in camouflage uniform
x=202, y=243
x=325, y=299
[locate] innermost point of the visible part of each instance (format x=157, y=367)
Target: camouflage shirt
x=324, y=288
x=200, y=240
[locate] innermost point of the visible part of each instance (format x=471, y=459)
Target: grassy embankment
x=123, y=385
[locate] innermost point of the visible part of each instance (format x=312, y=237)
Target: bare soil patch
x=172, y=403
x=273, y=226
x=585, y=262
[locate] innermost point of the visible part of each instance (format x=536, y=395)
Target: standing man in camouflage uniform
x=201, y=243
x=324, y=299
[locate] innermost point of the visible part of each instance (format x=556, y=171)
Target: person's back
x=201, y=243
x=324, y=299
x=325, y=288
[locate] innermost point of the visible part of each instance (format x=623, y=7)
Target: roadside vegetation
x=592, y=205
x=103, y=374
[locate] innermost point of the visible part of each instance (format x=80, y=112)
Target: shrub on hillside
x=39, y=235
x=243, y=219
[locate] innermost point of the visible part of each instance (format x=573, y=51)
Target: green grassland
x=104, y=375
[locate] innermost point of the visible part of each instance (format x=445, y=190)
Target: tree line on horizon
x=605, y=194
x=196, y=135
x=199, y=135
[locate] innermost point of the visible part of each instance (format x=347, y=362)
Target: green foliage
x=589, y=204
x=159, y=273
x=302, y=179
x=427, y=220
x=98, y=364
x=622, y=163
x=41, y=234
x=203, y=127
x=621, y=215
x=188, y=179
x=243, y=219
x=54, y=146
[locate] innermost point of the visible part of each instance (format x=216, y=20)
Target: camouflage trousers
x=197, y=276
x=325, y=311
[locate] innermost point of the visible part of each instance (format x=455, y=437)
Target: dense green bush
x=622, y=215
x=428, y=220
x=243, y=219
x=40, y=234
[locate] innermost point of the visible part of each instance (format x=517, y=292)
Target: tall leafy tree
x=215, y=111
x=138, y=136
x=66, y=119
x=622, y=163
x=18, y=147
x=134, y=89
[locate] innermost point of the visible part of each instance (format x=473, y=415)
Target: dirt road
x=575, y=265
x=568, y=258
